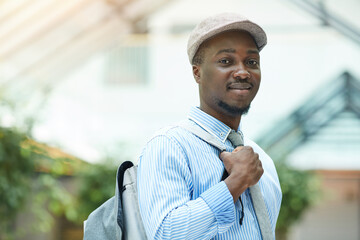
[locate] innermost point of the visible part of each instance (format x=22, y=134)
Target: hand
x=244, y=168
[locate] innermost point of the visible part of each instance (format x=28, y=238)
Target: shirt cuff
x=221, y=203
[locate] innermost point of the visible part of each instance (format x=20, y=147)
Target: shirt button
x=221, y=134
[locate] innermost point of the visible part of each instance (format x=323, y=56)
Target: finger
x=238, y=149
x=224, y=155
x=249, y=148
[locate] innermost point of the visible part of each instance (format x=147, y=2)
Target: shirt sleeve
x=165, y=188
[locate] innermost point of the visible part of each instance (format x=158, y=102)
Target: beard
x=235, y=111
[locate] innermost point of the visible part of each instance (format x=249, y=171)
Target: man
x=181, y=194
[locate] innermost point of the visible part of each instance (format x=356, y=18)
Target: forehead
x=234, y=39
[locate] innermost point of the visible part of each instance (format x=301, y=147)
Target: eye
x=253, y=62
x=225, y=61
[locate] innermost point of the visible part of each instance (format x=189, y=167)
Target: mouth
x=241, y=86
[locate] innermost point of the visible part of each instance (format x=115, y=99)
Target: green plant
x=15, y=172
x=30, y=181
x=31, y=173
x=97, y=184
x=300, y=189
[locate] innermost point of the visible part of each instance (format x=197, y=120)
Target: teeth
x=237, y=88
x=240, y=86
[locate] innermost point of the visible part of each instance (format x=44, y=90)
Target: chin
x=234, y=110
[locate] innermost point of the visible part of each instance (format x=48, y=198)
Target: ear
x=196, y=72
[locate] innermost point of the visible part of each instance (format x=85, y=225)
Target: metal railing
x=338, y=96
x=329, y=19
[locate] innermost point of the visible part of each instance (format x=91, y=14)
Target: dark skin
x=230, y=75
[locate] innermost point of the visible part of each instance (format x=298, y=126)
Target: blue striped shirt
x=180, y=192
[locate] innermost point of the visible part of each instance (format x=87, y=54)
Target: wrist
x=236, y=186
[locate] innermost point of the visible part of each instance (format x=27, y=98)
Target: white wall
x=89, y=119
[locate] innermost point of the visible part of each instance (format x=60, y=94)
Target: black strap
x=120, y=175
x=120, y=179
x=224, y=176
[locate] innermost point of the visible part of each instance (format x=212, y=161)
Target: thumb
x=224, y=155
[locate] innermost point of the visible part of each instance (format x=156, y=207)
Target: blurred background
x=85, y=83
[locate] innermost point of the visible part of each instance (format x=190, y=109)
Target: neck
x=233, y=124
x=230, y=120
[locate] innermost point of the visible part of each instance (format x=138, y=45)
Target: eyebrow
x=253, y=51
x=231, y=50
x=227, y=50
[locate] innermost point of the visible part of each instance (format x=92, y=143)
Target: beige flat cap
x=220, y=23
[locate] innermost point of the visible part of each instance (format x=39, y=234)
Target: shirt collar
x=210, y=124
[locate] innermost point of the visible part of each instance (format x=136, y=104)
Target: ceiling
x=43, y=40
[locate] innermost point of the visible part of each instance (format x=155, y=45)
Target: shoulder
x=167, y=148
x=176, y=138
x=169, y=139
x=173, y=133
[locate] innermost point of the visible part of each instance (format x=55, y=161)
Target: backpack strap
x=106, y=222
x=118, y=194
x=127, y=209
x=203, y=134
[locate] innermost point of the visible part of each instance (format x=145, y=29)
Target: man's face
x=229, y=75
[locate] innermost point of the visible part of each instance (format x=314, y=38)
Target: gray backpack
x=119, y=217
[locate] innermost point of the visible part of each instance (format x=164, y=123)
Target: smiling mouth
x=240, y=86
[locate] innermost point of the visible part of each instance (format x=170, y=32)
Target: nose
x=241, y=72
